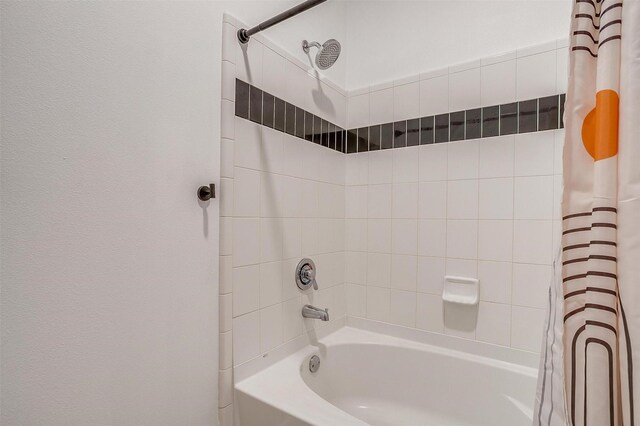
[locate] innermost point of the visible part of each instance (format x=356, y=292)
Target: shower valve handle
x=205, y=193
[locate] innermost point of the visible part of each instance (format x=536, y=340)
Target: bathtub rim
x=459, y=344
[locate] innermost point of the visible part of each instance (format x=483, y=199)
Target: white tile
x=460, y=320
x=432, y=73
x=307, y=201
x=404, y=272
x=379, y=201
x=433, y=162
x=496, y=198
x=526, y=328
x=356, y=267
x=227, y=119
x=379, y=270
x=225, y=387
x=246, y=289
x=378, y=303
x=356, y=201
x=406, y=101
x=402, y=308
x=498, y=83
x=431, y=271
x=226, y=196
x=225, y=415
x=462, y=267
x=494, y=323
x=226, y=236
x=358, y=111
x=432, y=200
x=270, y=327
x=381, y=106
x=531, y=285
x=495, y=240
x=380, y=167
x=464, y=90
x=270, y=283
x=356, y=264
x=462, y=160
x=228, y=83
x=429, y=315
x=495, y=281
x=379, y=235
x=246, y=337
x=291, y=319
x=271, y=234
x=248, y=144
x=404, y=236
x=271, y=150
x=496, y=157
x=226, y=350
x=432, y=237
x=272, y=72
x=226, y=274
x=310, y=242
x=534, y=153
x=532, y=241
x=462, y=239
x=557, y=197
x=249, y=62
x=405, y=200
x=536, y=76
x=405, y=164
x=246, y=190
x=356, y=300
x=536, y=48
x=434, y=96
x=357, y=169
x=533, y=197
x=462, y=199
x=291, y=238
x=229, y=42
x=406, y=80
x=500, y=57
x=226, y=312
x=558, y=144
x=356, y=234
x=226, y=157
x=562, y=70
x=246, y=241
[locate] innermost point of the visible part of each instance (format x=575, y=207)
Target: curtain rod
x=244, y=35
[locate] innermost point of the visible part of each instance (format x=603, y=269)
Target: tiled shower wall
x=485, y=208
x=282, y=199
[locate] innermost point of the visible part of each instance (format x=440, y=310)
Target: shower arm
x=244, y=35
x=306, y=45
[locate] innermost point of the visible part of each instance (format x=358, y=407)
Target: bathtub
x=394, y=376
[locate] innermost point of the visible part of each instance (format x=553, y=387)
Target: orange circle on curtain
x=600, y=126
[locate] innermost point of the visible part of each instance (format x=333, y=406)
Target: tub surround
x=383, y=226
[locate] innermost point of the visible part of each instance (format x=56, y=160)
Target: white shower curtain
x=592, y=334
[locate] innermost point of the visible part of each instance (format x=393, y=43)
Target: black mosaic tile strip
x=270, y=111
x=532, y=115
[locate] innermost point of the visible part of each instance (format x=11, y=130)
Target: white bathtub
x=376, y=379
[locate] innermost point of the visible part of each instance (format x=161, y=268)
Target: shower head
x=327, y=53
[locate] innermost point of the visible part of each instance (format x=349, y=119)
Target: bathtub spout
x=309, y=311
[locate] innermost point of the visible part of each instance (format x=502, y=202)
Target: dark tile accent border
x=517, y=117
x=270, y=111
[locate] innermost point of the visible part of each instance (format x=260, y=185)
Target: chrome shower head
x=327, y=53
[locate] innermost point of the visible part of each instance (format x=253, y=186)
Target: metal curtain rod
x=244, y=35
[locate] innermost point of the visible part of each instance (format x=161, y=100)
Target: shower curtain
x=591, y=345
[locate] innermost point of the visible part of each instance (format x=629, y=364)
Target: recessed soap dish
x=461, y=290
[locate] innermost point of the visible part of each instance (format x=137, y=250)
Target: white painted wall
x=388, y=40
x=110, y=120
x=109, y=264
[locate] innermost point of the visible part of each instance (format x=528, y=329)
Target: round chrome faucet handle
x=305, y=275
